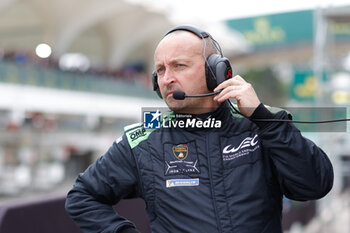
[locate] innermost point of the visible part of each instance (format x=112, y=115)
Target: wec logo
x=247, y=142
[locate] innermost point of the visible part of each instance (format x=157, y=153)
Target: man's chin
x=174, y=105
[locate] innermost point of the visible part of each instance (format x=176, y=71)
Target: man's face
x=180, y=66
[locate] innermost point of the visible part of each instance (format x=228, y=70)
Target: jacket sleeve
x=303, y=170
x=112, y=177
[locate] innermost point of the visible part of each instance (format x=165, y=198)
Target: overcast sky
x=192, y=11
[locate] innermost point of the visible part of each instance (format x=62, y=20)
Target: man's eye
x=160, y=70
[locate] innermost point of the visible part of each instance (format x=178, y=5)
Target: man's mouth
x=170, y=93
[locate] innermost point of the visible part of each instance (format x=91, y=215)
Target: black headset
x=217, y=67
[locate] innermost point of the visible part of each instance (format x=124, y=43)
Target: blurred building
x=72, y=75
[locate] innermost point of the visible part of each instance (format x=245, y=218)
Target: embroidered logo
x=249, y=144
x=137, y=133
x=180, y=159
x=182, y=182
x=180, y=151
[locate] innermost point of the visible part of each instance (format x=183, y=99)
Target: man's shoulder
x=136, y=133
x=273, y=110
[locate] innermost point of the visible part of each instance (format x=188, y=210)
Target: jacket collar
x=221, y=113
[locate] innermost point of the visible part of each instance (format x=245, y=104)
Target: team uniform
x=226, y=180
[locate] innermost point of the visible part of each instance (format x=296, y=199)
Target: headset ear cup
x=210, y=71
x=224, y=70
x=155, y=84
x=217, y=70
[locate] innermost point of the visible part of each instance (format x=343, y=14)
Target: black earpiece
x=217, y=70
x=217, y=67
x=155, y=84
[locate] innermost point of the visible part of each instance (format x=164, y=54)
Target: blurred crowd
x=133, y=73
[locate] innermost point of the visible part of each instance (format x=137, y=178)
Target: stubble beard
x=187, y=106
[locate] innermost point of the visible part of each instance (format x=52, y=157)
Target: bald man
x=197, y=177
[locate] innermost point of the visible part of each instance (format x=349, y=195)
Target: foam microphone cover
x=179, y=95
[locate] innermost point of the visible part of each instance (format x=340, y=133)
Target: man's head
x=180, y=62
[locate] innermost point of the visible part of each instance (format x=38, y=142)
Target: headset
x=217, y=70
x=217, y=67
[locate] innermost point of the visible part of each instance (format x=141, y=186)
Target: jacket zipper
x=211, y=183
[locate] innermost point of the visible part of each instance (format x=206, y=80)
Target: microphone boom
x=180, y=95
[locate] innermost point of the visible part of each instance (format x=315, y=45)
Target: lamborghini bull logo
x=180, y=151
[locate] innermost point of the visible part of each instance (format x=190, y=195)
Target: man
x=225, y=179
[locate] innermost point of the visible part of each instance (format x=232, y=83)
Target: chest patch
x=181, y=159
x=247, y=145
x=240, y=149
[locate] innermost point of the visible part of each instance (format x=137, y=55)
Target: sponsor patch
x=246, y=146
x=180, y=151
x=182, y=182
x=134, y=135
x=181, y=159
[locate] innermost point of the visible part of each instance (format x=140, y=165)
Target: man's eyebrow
x=174, y=60
x=180, y=59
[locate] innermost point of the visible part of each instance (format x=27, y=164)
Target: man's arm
x=303, y=170
x=111, y=178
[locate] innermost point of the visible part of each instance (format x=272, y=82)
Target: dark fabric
x=223, y=180
x=261, y=113
x=128, y=230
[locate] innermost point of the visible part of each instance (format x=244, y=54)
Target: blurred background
x=74, y=73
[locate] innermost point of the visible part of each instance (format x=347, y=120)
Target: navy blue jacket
x=223, y=180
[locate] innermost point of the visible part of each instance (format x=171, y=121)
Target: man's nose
x=168, y=76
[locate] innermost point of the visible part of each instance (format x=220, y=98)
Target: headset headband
x=201, y=34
